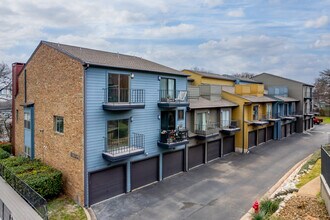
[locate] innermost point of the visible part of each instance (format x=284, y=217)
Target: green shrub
x=259, y=216
x=3, y=154
x=6, y=147
x=44, y=179
x=269, y=206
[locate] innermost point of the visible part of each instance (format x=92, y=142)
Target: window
x=118, y=88
x=277, y=91
x=268, y=110
x=293, y=108
x=118, y=134
x=27, y=151
x=180, y=114
x=255, y=112
x=201, y=121
x=285, y=109
x=225, y=118
x=59, y=124
x=167, y=88
x=167, y=120
x=16, y=115
x=27, y=120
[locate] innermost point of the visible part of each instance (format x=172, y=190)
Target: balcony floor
x=120, y=106
x=121, y=155
x=171, y=145
x=172, y=104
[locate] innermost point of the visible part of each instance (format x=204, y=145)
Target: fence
x=36, y=201
x=325, y=163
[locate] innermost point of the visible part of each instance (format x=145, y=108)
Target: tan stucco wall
x=55, y=86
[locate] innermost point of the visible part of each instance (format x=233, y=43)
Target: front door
x=168, y=120
x=29, y=132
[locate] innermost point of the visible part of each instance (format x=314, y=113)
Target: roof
x=253, y=98
x=230, y=89
x=286, y=99
x=223, y=76
x=108, y=59
x=305, y=84
x=205, y=103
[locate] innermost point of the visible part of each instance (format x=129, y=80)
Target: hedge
x=4, y=154
x=44, y=179
x=6, y=147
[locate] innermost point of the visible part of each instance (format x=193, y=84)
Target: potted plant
x=163, y=136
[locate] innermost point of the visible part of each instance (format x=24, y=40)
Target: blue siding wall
x=145, y=121
x=278, y=90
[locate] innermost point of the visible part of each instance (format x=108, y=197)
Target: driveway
x=223, y=189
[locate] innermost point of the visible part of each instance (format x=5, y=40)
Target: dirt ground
x=301, y=207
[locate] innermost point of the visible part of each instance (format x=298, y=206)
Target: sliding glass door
x=118, y=88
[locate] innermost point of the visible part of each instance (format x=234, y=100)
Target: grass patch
x=326, y=120
x=267, y=208
x=312, y=174
x=315, y=157
x=65, y=208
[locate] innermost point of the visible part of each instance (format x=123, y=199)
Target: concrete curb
x=90, y=214
x=277, y=185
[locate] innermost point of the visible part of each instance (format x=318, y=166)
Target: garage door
x=270, y=133
x=305, y=126
x=288, y=129
x=283, y=131
x=213, y=150
x=252, y=139
x=293, y=127
x=228, y=145
x=311, y=122
x=196, y=156
x=107, y=183
x=308, y=124
x=173, y=163
x=261, y=135
x=144, y=172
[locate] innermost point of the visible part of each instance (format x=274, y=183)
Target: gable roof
x=305, y=84
x=223, y=76
x=109, y=59
x=255, y=99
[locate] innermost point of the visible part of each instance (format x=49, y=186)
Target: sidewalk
x=19, y=208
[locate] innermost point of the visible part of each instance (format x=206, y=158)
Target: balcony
x=229, y=127
x=123, y=99
x=122, y=149
x=272, y=117
x=297, y=114
x=170, y=139
x=172, y=98
x=261, y=120
x=207, y=130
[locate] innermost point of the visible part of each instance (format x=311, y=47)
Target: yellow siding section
x=198, y=80
x=250, y=89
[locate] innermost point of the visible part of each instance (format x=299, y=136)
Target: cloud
x=317, y=23
x=323, y=41
x=170, y=31
x=236, y=13
x=213, y=3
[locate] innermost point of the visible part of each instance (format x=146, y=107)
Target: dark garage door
x=283, y=131
x=213, y=150
x=252, y=139
x=107, y=183
x=261, y=135
x=310, y=123
x=196, y=156
x=173, y=163
x=288, y=129
x=144, y=172
x=293, y=127
x=270, y=133
x=228, y=145
x=305, y=126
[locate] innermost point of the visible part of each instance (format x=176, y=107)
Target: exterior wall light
x=131, y=118
x=158, y=117
x=132, y=75
x=159, y=78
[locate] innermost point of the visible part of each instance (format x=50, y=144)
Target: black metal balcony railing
x=307, y=94
x=122, y=148
x=229, y=124
x=116, y=95
x=206, y=129
x=35, y=200
x=173, y=96
x=325, y=163
x=173, y=138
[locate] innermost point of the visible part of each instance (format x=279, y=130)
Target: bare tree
x=322, y=87
x=5, y=79
x=244, y=75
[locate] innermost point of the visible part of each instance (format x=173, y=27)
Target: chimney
x=16, y=69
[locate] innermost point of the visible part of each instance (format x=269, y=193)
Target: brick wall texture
x=55, y=86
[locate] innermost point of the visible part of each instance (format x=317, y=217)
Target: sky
x=290, y=38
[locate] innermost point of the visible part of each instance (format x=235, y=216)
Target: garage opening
x=252, y=139
x=173, y=163
x=196, y=156
x=144, y=172
x=213, y=150
x=228, y=145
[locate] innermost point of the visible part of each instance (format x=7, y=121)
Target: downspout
x=243, y=123
x=86, y=199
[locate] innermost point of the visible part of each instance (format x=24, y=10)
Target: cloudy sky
x=285, y=37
